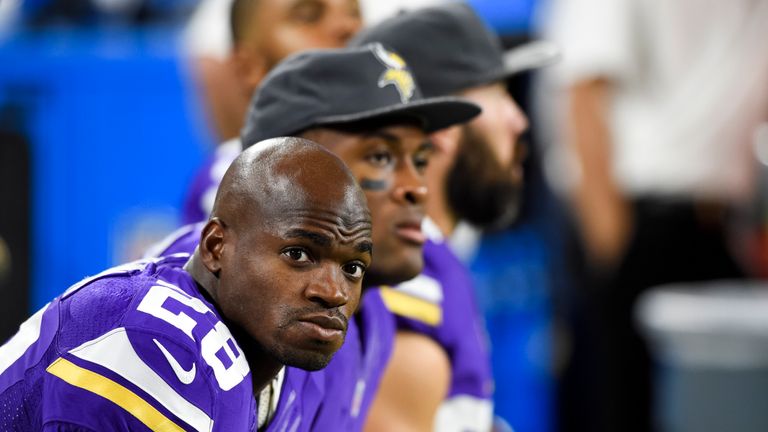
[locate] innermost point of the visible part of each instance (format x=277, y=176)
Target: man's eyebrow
x=393, y=139
x=365, y=246
x=299, y=3
x=427, y=145
x=316, y=238
x=386, y=136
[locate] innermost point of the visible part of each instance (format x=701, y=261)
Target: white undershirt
x=268, y=399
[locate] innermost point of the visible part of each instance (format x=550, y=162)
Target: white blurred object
x=208, y=32
x=720, y=324
x=465, y=241
x=535, y=54
x=9, y=13
x=376, y=10
x=761, y=143
x=710, y=342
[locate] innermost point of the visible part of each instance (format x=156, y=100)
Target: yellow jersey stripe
x=411, y=307
x=114, y=392
x=114, y=351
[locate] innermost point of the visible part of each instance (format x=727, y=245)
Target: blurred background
x=627, y=296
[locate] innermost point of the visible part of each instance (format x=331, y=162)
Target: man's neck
x=263, y=366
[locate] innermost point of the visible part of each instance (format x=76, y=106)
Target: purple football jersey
x=440, y=303
x=354, y=373
x=353, y=376
x=339, y=396
x=135, y=348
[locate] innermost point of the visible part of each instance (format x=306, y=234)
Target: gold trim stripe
x=411, y=307
x=114, y=392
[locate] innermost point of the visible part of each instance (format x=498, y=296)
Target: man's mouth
x=410, y=232
x=324, y=327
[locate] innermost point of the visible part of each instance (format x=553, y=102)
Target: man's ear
x=250, y=66
x=211, y=245
x=446, y=141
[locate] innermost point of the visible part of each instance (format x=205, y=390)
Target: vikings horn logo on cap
x=396, y=74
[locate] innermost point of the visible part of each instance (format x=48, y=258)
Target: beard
x=480, y=190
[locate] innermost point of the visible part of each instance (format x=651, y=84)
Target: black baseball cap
x=449, y=48
x=345, y=86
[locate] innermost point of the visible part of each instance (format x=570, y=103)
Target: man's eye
x=421, y=162
x=354, y=270
x=297, y=254
x=380, y=158
x=308, y=12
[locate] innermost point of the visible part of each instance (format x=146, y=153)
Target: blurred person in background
x=660, y=101
x=232, y=63
x=234, y=43
x=439, y=377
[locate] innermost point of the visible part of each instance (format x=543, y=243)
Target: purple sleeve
x=199, y=200
x=440, y=303
x=194, y=208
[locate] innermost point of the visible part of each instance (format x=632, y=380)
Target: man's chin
x=397, y=274
x=309, y=361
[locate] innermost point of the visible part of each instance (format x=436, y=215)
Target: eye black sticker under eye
x=374, y=185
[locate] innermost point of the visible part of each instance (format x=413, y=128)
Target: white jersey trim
x=114, y=351
x=28, y=334
x=423, y=287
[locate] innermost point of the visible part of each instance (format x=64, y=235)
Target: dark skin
x=268, y=31
x=274, y=29
x=284, y=254
x=388, y=162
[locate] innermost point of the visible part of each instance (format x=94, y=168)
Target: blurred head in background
x=235, y=43
x=476, y=173
x=266, y=31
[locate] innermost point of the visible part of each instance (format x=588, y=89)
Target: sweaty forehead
x=319, y=200
x=319, y=186
x=294, y=177
x=351, y=225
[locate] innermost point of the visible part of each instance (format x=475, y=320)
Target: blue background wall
x=115, y=137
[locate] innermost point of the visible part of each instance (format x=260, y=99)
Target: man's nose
x=516, y=118
x=328, y=287
x=410, y=187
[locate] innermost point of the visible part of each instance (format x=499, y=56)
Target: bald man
x=363, y=105
x=184, y=343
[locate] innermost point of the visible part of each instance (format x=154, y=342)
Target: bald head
x=284, y=253
x=285, y=174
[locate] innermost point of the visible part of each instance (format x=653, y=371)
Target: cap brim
x=434, y=113
x=530, y=55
